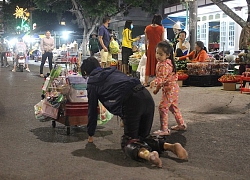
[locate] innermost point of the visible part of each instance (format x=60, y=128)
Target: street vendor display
x=134, y=61
x=65, y=100
x=229, y=82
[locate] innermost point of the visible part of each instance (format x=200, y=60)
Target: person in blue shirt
x=124, y=96
x=104, y=41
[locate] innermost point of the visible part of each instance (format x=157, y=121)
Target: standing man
x=93, y=45
x=183, y=46
x=3, y=50
x=104, y=41
x=47, y=46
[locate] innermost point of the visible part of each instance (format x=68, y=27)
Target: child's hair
x=88, y=65
x=168, y=49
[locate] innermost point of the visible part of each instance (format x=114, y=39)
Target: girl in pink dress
x=166, y=79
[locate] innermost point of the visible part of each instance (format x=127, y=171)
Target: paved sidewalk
x=217, y=138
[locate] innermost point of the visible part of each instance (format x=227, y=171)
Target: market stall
x=205, y=73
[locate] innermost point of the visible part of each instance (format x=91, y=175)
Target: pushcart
x=72, y=114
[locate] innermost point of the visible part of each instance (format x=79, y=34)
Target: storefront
x=217, y=30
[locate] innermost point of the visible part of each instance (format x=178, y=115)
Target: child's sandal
x=179, y=127
x=162, y=133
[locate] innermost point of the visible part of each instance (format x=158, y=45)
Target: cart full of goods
x=65, y=100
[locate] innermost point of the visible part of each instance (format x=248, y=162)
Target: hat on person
x=176, y=26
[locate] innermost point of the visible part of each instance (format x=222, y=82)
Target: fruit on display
x=182, y=75
x=207, y=68
x=136, y=55
x=228, y=78
x=181, y=65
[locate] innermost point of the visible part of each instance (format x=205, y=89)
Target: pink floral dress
x=167, y=80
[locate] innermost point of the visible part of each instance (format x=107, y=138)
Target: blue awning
x=168, y=22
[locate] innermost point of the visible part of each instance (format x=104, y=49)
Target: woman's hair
x=168, y=49
x=201, y=45
x=128, y=24
x=88, y=65
x=157, y=19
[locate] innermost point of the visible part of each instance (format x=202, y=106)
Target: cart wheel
x=53, y=124
x=68, y=130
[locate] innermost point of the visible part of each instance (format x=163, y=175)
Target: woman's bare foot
x=90, y=139
x=180, y=151
x=154, y=159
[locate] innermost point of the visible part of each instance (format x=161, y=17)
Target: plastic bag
x=113, y=47
x=104, y=116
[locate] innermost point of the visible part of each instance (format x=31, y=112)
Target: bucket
x=134, y=67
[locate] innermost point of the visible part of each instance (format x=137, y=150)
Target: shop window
x=204, y=18
x=223, y=34
x=198, y=32
x=211, y=17
x=217, y=16
x=203, y=33
x=231, y=33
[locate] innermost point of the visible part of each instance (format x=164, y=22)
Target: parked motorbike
x=20, y=61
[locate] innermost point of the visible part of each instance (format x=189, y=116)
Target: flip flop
x=162, y=133
x=179, y=127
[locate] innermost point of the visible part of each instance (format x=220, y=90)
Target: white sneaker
x=13, y=70
x=27, y=69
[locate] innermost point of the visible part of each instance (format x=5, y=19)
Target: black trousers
x=46, y=55
x=4, y=58
x=179, y=52
x=138, y=114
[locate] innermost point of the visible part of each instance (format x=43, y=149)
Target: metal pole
x=193, y=8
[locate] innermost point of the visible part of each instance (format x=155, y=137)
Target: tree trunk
x=248, y=12
x=229, y=12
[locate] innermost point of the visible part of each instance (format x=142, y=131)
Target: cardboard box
x=180, y=83
x=229, y=86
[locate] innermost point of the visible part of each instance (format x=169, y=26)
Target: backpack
x=113, y=47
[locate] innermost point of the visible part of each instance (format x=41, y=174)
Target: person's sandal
x=162, y=133
x=179, y=127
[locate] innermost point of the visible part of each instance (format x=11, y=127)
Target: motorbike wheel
x=21, y=68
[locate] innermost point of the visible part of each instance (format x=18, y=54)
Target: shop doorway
x=214, y=36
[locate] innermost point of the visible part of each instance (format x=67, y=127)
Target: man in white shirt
x=183, y=46
x=47, y=46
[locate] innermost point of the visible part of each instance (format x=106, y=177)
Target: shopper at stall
x=154, y=33
x=127, y=41
x=47, y=46
x=166, y=79
x=104, y=41
x=197, y=55
x=126, y=97
x=183, y=46
x=93, y=45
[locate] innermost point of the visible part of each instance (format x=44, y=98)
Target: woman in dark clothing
x=126, y=97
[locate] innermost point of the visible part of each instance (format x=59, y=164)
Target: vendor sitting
x=197, y=55
x=183, y=46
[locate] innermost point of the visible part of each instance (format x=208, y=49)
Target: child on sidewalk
x=166, y=78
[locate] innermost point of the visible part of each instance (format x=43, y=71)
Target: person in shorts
x=104, y=41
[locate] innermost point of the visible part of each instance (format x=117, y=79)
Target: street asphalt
x=217, y=138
